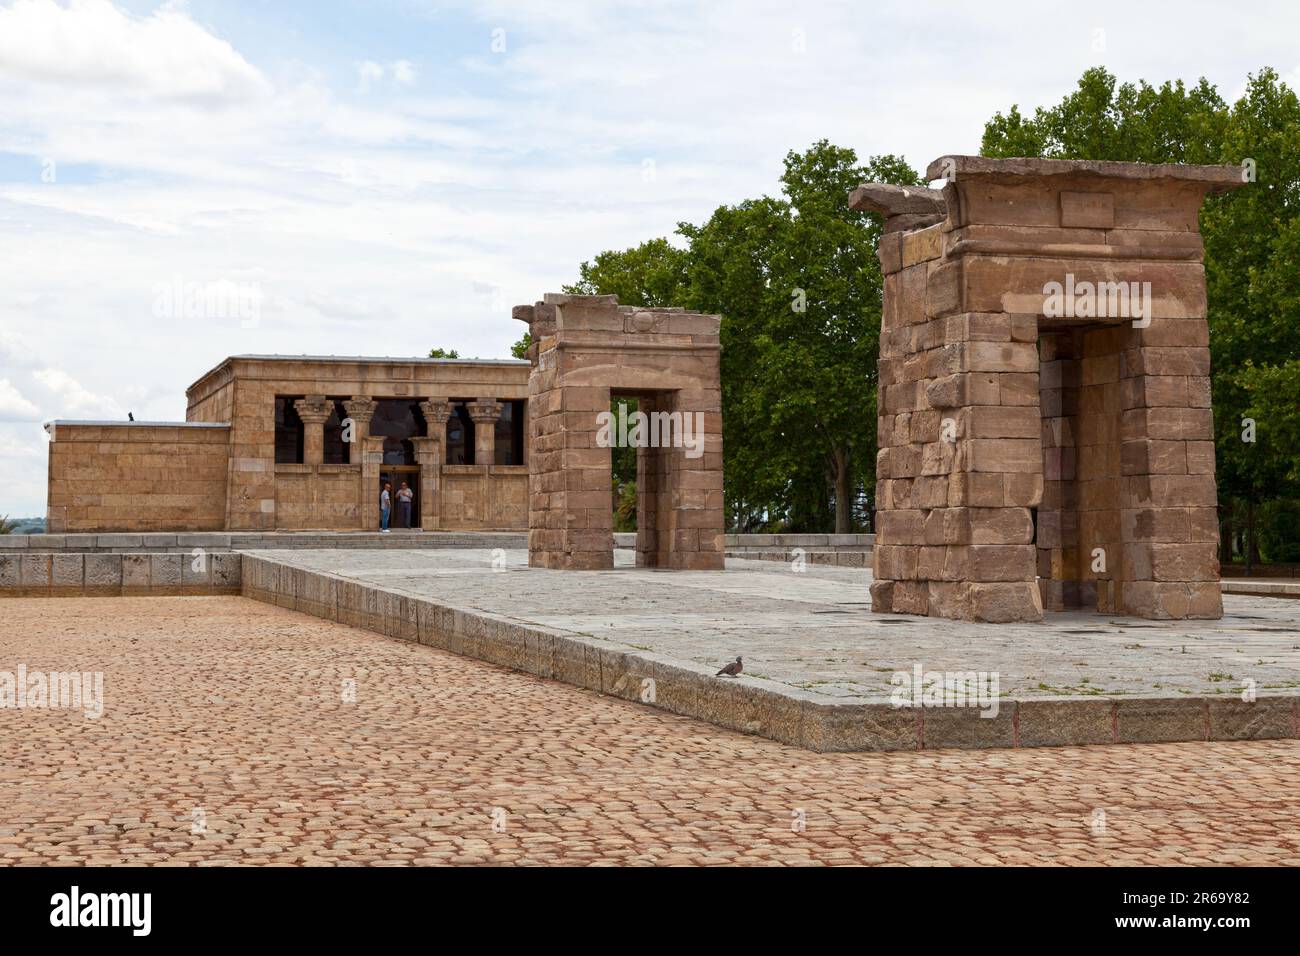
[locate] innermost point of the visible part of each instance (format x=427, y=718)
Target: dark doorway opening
x=395, y=475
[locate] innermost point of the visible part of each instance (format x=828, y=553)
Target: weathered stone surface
x=964, y=727
x=67, y=573
x=1156, y=721
x=1002, y=602
x=1218, y=178
x=849, y=727
x=888, y=200
x=10, y=572
x=136, y=573
x=35, y=572
x=1265, y=718
x=1046, y=347
x=164, y=571
x=1062, y=722
x=668, y=359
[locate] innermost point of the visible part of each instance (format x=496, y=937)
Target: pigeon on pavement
x=731, y=670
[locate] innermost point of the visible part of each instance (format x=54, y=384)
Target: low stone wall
x=137, y=476
x=1261, y=588
x=822, y=542
x=841, y=550
x=111, y=575
x=789, y=715
x=843, y=559
x=220, y=541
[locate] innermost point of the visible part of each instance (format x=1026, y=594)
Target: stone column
x=361, y=410
x=1168, y=519
x=429, y=453
x=484, y=413
x=314, y=410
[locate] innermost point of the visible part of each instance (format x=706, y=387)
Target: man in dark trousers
x=404, y=496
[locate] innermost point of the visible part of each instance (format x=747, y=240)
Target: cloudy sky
x=388, y=176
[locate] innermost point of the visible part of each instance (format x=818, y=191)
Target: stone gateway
x=1045, y=432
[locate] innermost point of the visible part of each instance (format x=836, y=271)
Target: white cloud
x=17, y=350
x=369, y=73
x=92, y=43
x=13, y=406
x=404, y=73
x=74, y=399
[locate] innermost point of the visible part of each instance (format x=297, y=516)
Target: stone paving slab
x=819, y=665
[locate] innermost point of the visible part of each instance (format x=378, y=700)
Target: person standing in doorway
x=385, y=507
x=404, y=496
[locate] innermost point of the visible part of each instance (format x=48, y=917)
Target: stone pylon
x=1045, y=431
x=587, y=349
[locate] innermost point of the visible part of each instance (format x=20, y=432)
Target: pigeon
x=731, y=670
x=130, y=417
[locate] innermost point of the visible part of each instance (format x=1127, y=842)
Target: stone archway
x=1045, y=430
x=585, y=348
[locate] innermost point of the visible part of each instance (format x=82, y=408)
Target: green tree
x=520, y=349
x=797, y=284
x=444, y=353
x=649, y=275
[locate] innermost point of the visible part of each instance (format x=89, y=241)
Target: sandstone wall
x=137, y=477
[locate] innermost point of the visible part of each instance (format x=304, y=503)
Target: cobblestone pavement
x=815, y=630
x=227, y=716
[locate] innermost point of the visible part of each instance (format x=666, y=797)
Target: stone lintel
x=1215, y=178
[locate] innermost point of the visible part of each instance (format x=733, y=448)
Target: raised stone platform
x=818, y=665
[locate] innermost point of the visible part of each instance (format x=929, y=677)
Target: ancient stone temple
x=585, y=351
x=1045, y=431
x=281, y=442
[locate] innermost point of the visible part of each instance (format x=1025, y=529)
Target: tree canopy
x=796, y=281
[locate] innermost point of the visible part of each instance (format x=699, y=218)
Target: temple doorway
x=395, y=475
